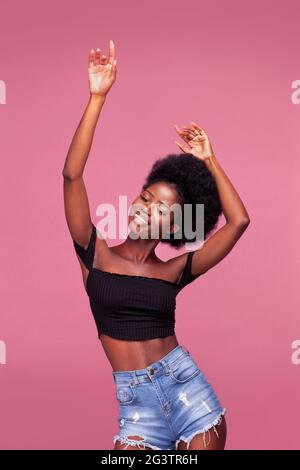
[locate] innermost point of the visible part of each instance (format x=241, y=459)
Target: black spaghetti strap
x=87, y=255
x=187, y=275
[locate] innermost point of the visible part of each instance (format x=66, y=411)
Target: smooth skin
x=137, y=256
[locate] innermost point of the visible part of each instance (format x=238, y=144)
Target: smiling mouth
x=140, y=219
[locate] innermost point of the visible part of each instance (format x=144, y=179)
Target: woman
x=165, y=401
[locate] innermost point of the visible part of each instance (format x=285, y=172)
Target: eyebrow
x=160, y=200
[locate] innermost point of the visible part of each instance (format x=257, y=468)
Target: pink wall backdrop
x=228, y=65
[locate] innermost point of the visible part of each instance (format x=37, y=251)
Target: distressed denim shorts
x=168, y=401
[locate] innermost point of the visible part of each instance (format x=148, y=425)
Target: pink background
x=227, y=65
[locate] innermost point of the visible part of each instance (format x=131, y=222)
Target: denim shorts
x=168, y=401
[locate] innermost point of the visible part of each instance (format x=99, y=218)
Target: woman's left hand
x=197, y=140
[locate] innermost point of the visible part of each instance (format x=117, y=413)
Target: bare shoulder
x=101, y=246
x=177, y=264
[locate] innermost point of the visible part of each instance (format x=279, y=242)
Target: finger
x=97, y=56
x=177, y=130
x=196, y=126
x=113, y=67
x=112, y=52
x=191, y=128
x=188, y=134
x=180, y=146
x=185, y=137
x=197, y=133
x=186, y=128
x=183, y=147
x=91, y=58
x=189, y=131
x=103, y=60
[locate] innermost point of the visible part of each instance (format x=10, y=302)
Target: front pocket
x=184, y=370
x=125, y=393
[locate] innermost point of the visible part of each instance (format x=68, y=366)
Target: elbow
x=246, y=222
x=242, y=223
x=70, y=176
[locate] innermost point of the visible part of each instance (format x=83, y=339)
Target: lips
x=140, y=218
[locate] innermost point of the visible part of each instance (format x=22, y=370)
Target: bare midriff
x=133, y=355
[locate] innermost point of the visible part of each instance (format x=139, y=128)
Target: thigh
x=212, y=439
x=142, y=424
x=196, y=411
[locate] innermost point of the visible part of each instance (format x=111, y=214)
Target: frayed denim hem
x=135, y=442
x=203, y=431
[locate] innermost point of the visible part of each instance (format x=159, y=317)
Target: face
x=151, y=212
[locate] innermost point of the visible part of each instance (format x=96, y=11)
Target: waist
x=133, y=355
x=157, y=367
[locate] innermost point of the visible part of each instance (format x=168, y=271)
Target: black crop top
x=131, y=307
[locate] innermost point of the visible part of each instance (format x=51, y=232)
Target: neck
x=140, y=250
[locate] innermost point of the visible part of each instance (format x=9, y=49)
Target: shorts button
x=151, y=371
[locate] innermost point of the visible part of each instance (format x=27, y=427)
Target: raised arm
x=222, y=241
x=102, y=75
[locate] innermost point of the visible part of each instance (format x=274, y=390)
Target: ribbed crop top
x=131, y=307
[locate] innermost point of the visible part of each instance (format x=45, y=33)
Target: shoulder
x=181, y=264
x=178, y=262
x=184, y=263
x=100, y=241
x=95, y=244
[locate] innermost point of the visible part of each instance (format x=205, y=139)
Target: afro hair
x=194, y=184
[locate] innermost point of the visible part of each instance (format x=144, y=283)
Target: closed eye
x=162, y=211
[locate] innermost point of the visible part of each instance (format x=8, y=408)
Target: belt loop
x=166, y=366
x=135, y=379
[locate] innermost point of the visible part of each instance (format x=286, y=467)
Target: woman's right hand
x=102, y=72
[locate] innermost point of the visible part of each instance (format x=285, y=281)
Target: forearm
x=82, y=140
x=232, y=205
